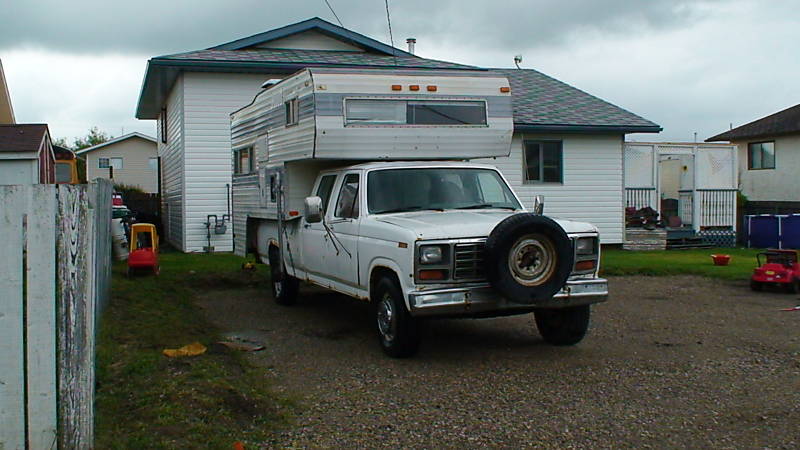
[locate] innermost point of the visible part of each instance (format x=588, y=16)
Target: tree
x=94, y=137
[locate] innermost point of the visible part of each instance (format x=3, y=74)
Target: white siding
x=592, y=188
x=209, y=98
x=775, y=185
x=135, y=153
x=172, y=168
x=19, y=171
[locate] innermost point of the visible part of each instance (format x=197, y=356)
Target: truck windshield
x=400, y=190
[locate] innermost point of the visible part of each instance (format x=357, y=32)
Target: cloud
x=159, y=27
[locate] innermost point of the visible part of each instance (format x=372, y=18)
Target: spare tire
x=528, y=258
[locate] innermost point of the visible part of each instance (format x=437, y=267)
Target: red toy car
x=781, y=269
x=143, y=253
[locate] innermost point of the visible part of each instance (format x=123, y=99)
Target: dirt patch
x=669, y=361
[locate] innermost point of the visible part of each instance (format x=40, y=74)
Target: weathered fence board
x=40, y=317
x=55, y=272
x=75, y=318
x=12, y=381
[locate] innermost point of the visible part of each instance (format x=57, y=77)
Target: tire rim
x=386, y=318
x=532, y=260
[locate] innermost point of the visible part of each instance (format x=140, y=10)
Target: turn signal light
x=431, y=275
x=397, y=87
x=414, y=87
x=585, y=265
x=294, y=213
x=431, y=88
x=505, y=89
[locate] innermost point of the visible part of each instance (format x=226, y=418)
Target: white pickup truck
x=359, y=193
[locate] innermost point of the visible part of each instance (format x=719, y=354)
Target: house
x=567, y=144
x=769, y=160
x=131, y=159
x=6, y=110
x=26, y=154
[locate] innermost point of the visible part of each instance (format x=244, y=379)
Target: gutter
x=585, y=129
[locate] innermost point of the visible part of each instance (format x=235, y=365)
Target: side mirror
x=313, y=209
x=538, y=205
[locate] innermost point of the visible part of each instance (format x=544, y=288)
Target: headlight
x=585, y=246
x=430, y=254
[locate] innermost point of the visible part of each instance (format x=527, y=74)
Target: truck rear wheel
x=398, y=332
x=284, y=286
x=563, y=326
x=528, y=258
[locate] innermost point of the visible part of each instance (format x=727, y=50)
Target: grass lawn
x=679, y=262
x=146, y=400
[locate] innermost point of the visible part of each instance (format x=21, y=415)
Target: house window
x=105, y=163
x=292, y=113
x=152, y=163
x=163, y=125
x=243, y=161
x=416, y=112
x=347, y=205
x=543, y=162
x=761, y=155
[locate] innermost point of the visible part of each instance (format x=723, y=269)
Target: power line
x=334, y=13
x=391, y=38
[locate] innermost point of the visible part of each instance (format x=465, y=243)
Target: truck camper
x=360, y=181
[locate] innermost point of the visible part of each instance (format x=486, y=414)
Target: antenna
x=334, y=13
x=517, y=60
x=391, y=38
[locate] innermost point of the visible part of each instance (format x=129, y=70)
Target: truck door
x=344, y=223
x=315, y=241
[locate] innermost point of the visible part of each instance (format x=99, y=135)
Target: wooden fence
x=54, y=279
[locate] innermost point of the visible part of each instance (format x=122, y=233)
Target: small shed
x=26, y=154
x=693, y=187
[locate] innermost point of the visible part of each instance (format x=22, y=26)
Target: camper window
x=360, y=111
x=291, y=112
x=543, y=162
x=347, y=205
x=243, y=161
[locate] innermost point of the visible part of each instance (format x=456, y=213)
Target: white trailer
x=358, y=181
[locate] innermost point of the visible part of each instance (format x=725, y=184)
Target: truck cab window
x=347, y=205
x=325, y=189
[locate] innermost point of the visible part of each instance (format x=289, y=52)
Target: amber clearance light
x=397, y=87
x=585, y=265
x=414, y=87
x=505, y=89
x=431, y=275
x=431, y=88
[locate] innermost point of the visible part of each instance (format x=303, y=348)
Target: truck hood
x=464, y=224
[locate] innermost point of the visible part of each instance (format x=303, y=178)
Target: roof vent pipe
x=411, y=42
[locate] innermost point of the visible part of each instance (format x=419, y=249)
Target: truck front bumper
x=482, y=300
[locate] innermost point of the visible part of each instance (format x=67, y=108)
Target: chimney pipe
x=411, y=42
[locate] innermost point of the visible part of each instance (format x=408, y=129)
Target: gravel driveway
x=671, y=361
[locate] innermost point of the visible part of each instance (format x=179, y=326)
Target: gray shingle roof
x=313, y=57
x=541, y=101
x=781, y=122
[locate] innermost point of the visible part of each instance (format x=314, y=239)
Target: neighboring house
x=769, y=159
x=26, y=154
x=131, y=160
x=6, y=110
x=567, y=144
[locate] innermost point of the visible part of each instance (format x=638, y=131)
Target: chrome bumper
x=481, y=299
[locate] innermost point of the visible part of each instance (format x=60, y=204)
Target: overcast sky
x=690, y=66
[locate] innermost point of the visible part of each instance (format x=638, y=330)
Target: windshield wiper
x=486, y=205
x=406, y=209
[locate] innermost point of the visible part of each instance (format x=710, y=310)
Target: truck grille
x=468, y=263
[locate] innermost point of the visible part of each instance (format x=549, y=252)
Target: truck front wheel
x=398, y=332
x=563, y=326
x=284, y=286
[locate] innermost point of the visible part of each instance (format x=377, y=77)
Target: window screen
x=347, y=205
x=543, y=161
x=414, y=112
x=243, y=161
x=761, y=155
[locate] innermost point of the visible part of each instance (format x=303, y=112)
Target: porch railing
x=640, y=197
x=686, y=206
x=716, y=207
